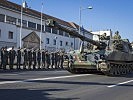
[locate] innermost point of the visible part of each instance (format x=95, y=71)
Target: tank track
x=117, y=69
x=113, y=69
x=82, y=71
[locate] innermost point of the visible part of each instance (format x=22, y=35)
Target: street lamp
x=80, y=11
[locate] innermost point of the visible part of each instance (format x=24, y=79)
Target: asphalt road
x=61, y=85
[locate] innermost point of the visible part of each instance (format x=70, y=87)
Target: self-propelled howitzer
x=110, y=56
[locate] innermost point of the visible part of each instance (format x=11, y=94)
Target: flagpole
x=41, y=27
x=21, y=23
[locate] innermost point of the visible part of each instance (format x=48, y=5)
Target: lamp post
x=41, y=27
x=80, y=13
x=23, y=5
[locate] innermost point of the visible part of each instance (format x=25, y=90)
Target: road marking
x=59, y=77
x=110, y=86
x=39, y=79
x=9, y=82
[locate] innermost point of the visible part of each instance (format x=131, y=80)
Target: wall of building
x=15, y=28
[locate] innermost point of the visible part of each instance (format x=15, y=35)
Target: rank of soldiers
x=30, y=59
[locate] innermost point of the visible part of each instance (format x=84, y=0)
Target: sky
x=116, y=15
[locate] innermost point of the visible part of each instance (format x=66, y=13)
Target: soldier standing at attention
x=5, y=58
x=47, y=59
x=29, y=58
x=19, y=58
x=2, y=53
x=39, y=59
x=12, y=54
x=25, y=58
x=34, y=59
x=52, y=59
x=61, y=59
x=43, y=59
x=56, y=60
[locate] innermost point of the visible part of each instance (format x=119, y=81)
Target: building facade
x=32, y=33
x=96, y=34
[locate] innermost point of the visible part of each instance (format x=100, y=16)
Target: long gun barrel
x=73, y=32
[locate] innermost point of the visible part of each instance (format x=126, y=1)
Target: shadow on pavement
x=24, y=70
x=77, y=83
x=27, y=94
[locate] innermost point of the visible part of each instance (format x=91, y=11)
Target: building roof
x=70, y=26
x=77, y=27
x=13, y=6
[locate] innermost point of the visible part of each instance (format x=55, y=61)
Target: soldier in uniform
x=56, y=60
x=19, y=53
x=12, y=54
x=39, y=59
x=61, y=59
x=5, y=58
x=43, y=59
x=52, y=59
x=103, y=36
x=34, y=59
x=29, y=58
x=25, y=54
x=117, y=36
x=47, y=59
x=2, y=54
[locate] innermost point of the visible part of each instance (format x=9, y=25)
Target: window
x=66, y=34
x=54, y=30
x=71, y=44
x=48, y=29
x=39, y=27
x=11, y=20
x=0, y=33
x=71, y=36
x=10, y=35
x=60, y=43
x=60, y=32
x=66, y=43
x=54, y=42
x=43, y=28
x=24, y=22
x=32, y=25
x=47, y=40
x=2, y=18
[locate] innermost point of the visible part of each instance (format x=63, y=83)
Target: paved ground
x=61, y=85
